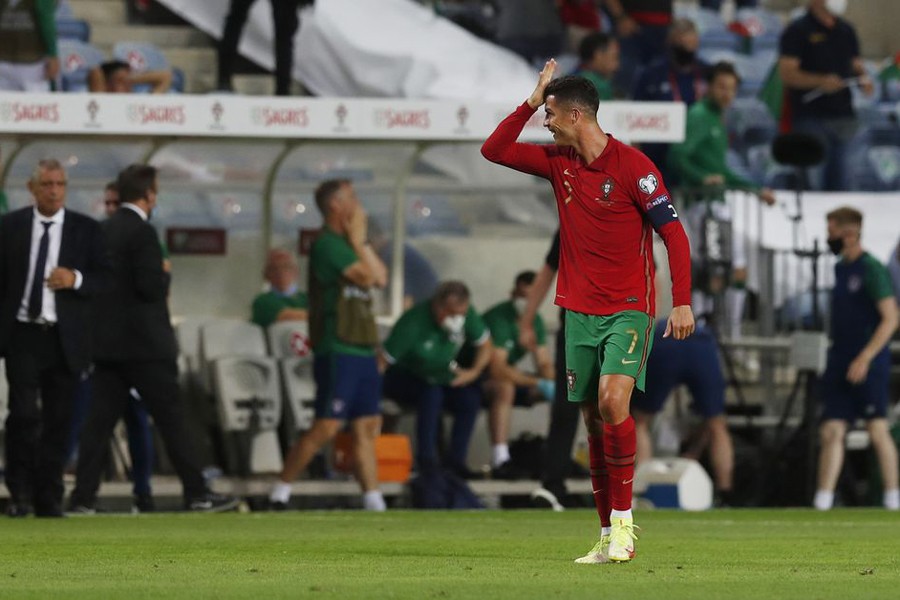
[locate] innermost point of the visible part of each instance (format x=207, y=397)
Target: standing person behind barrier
x=693, y=362
x=137, y=422
x=507, y=385
x=28, y=53
x=564, y=415
x=283, y=301
x=819, y=63
x=52, y=262
x=641, y=26
x=856, y=380
x=700, y=162
x=599, y=54
x=343, y=269
x=420, y=356
x=136, y=349
x=285, y=20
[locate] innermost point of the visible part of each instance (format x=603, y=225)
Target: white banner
x=307, y=118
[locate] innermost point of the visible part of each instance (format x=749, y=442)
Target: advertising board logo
x=93, y=109
x=146, y=114
x=462, y=117
x=267, y=116
x=217, y=111
x=403, y=119
x=633, y=122
x=29, y=112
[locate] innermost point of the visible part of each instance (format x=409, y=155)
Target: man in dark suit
x=52, y=260
x=136, y=348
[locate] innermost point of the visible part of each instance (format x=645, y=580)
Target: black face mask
x=836, y=245
x=682, y=56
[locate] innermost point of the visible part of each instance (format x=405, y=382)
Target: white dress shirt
x=48, y=305
x=136, y=209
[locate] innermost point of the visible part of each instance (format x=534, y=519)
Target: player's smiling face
x=558, y=121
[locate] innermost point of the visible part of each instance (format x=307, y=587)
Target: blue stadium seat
x=177, y=81
x=750, y=124
x=73, y=29
x=714, y=33
x=63, y=10
x=76, y=60
x=142, y=56
x=873, y=160
x=764, y=26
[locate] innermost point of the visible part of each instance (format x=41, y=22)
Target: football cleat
x=598, y=555
x=621, y=543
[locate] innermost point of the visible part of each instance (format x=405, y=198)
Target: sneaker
x=81, y=510
x=545, y=498
x=621, y=543
x=143, y=504
x=598, y=555
x=211, y=502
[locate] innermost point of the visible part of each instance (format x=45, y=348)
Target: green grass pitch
x=489, y=554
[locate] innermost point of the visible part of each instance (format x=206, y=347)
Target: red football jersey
x=607, y=213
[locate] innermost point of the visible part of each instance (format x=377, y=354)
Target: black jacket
x=81, y=248
x=134, y=322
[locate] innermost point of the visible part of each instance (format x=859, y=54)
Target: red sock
x=619, y=445
x=599, y=479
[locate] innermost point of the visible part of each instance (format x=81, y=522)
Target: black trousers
x=564, y=416
x=286, y=21
x=41, y=390
x=157, y=384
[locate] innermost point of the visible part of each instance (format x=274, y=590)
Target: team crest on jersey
x=570, y=379
x=648, y=184
x=854, y=283
x=607, y=187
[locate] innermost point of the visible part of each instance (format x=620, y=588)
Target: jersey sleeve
x=401, y=339
x=791, y=43
x=502, y=148
x=46, y=23
x=476, y=331
x=877, y=281
x=653, y=199
x=333, y=256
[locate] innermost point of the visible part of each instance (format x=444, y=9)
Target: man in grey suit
x=136, y=348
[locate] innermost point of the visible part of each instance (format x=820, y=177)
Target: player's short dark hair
x=326, y=191
x=574, y=91
x=135, y=181
x=592, y=43
x=450, y=290
x=846, y=215
x=723, y=67
x=111, y=66
x=525, y=278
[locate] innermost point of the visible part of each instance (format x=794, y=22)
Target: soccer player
x=855, y=382
x=610, y=197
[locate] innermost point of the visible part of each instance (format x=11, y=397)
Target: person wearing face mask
x=283, y=301
x=343, y=269
x=507, y=385
x=679, y=77
x=856, y=379
x=819, y=62
x=420, y=358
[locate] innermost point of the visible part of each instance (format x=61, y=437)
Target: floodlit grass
x=489, y=554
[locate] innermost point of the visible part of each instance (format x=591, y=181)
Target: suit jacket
x=81, y=248
x=134, y=323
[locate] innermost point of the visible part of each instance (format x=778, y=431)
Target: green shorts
x=615, y=344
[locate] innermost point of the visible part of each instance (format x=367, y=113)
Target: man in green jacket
x=28, y=55
x=701, y=163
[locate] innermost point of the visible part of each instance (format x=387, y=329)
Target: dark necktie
x=36, y=296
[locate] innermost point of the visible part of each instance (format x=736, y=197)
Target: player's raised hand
x=546, y=76
x=681, y=323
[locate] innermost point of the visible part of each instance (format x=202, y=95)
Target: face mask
x=836, y=245
x=836, y=7
x=683, y=56
x=453, y=324
x=520, y=304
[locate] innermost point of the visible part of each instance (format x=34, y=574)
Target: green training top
x=704, y=149
x=419, y=345
x=329, y=256
x=267, y=306
x=604, y=86
x=503, y=322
